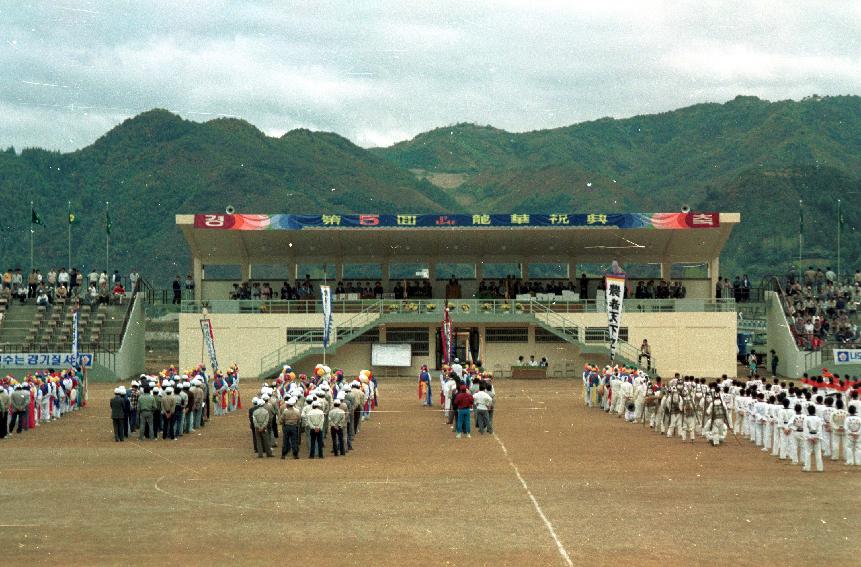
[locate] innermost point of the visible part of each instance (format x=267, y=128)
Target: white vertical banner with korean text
x=209, y=342
x=328, y=323
x=76, y=323
x=615, y=295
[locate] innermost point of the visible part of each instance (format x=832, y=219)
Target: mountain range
x=748, y=155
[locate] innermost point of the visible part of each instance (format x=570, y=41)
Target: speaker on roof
x=686, y=209
x=229, y=210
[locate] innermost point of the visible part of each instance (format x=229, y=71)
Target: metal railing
x=463, y=306
x=346, y=330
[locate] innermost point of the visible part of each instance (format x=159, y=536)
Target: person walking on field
x=463, y=402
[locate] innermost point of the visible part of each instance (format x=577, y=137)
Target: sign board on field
x=391, y=355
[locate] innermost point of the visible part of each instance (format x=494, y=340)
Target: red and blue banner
x=461, y=220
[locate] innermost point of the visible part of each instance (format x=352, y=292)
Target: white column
x=714, y=274
x=198, y=277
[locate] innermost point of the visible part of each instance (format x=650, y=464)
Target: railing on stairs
x=304, y=344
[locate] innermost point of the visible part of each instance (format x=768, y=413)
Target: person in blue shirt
x=425, y=386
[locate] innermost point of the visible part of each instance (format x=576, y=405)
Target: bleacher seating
x=37, y=328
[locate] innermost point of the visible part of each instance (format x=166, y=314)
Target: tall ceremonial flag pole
x=839, y=229
x=326, y=297
x=800, y=231
x=107, y=237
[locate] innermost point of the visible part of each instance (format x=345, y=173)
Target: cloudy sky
x=379, y=72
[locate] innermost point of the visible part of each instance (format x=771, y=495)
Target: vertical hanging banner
x=615, y=295
x=326, y=297
x=76, y=318
x=446, y=337
x=209, y=341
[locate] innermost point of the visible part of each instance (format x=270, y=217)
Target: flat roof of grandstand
x=217, y=239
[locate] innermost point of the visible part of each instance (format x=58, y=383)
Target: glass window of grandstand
x=360, y=281
x=410, y=281
x=417, y=337
x=500, y=270
x=328, y=272
x=447, y=270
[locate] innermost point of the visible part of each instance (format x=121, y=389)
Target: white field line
x=535, y=504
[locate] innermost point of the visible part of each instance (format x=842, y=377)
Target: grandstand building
x=695, y=334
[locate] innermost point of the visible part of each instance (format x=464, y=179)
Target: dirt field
x=611, y=493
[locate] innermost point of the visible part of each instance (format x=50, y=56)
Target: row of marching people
x=169, y=405
x=311, y=409
x=796, y=423
x=38, y=398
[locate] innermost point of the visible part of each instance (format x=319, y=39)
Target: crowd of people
x=466, y=395
x=822, y=310
x=795, y=423
x=173, y=403
x=299, y=407
x=62, y=285
x=39, y=398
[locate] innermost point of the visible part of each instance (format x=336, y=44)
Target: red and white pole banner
x=209, y=341
x=615, y=295
x=446, y=337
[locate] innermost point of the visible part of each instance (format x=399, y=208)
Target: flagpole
x=31, y=236
x=107, y=238
x=69, y=222
x=800, y=232
x=839, y=227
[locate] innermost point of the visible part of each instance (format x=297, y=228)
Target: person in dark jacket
x=118, y=413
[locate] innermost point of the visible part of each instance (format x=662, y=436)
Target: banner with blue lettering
x=45, y=360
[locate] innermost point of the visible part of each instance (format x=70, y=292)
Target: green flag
x=107, y=222
x=34, y=216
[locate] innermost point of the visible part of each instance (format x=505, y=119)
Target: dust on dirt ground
x=556, y=480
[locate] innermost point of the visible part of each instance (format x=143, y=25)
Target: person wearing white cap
x=118, y=414
x=260, y=421
x=337, y=423
x=146, y=406
x=290, y=419
x=315, y=419
x=168, y=414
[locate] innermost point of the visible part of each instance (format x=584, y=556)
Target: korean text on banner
x=209, y=341
x=326, y=297
x=76, y=318
x=615, y=295
x=46, y=360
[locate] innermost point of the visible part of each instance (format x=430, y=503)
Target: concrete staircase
x=162, y=343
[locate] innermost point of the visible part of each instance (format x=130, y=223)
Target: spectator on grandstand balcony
x=266, y=292
x=189, y=282
x=255, y=290
x=286, y=291
x=584, y=286
x=51, y=277
x=104, y=294
x=61, y=292
x=116, y=277
x=134, y=280
x=119, y=292
x=7, y=279
x=42, y=298
x=340, y=289
x=177, y=291
x=93, y=278
x=378, y=290
x=18, y=278
x=32, y=283
x=21, y=293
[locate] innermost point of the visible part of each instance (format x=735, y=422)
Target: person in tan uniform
x=290, y=419
x=168, y=413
